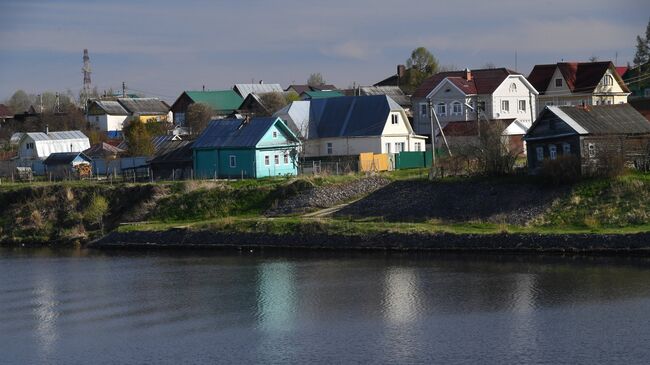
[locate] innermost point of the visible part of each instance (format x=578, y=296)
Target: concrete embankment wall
x=182, y=238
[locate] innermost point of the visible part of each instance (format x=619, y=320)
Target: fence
x=375, y=162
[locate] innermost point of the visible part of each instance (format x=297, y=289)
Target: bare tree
x=274, y=101
x=315, y=79
x=197, y=117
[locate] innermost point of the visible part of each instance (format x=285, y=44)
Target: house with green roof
x=318, y=94
x=223, y=102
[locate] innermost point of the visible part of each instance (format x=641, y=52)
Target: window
x=522, y=105
x=423, y=110
x=591, y=147
x=276, y=159
x=552, y=151
x=549, y=103
x=387, y=147
x=97, y=118
x=394, y=119
x=608, y=80
x=456, y=108
x=418, y=146
x=286, y=158
x=513, y=88
x=505, y=105
x=566, y=149
x=399, y=147
x=275, y=134
x=233, y=160
x=609, y=102
x=540, y=153
x=480, y=106
x=330, y=148
x=441, y=109
x=558, y=82
x=267, y=160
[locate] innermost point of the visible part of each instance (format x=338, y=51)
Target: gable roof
x=296, y=115
x=174, y=151
x=321, y=94
x=600, y=119
x=144, y=106
x=302, y=88
x=222, y=100
x=483, y=81
x=111, y=107
x=56, y=136
x=244, y=89
x=63, y=158
x=394, y=92
x=350, y=116
x=581, y=77
x=103, y=149
x=236, y=133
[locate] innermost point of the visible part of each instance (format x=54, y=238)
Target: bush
x=562, y=170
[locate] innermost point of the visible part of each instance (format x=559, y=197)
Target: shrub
x=562, y=170
x=96, y=209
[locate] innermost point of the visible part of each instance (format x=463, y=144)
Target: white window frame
x=394, y=119
x=540, y=153
x=330, y=148
x=522, y=102
x=286, y=158
x=267, y=160
x=608, y=80
x=552, y=151
x=424, y=110
x=505, y=106
x=232, y=161
x=418, y=146
x=400, y=147
x=275, y=134
x=453, y=108
x=513, y=88
x=387, y=145
x=276, y=159
x=441, y=109
x=561, y=82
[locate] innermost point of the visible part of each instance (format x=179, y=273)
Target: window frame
x=522, y=102
x=417, y=146
x=552, y=151
x=560, y=83
x=286, y=158
x=539, y=150
x=441, y=109
x=267, y=160
x=453, y=108
x=424, y=112
x=330, y=148
x=275, y=134
x=394, y=119
x=232, y=161
x=505, y=103
x=276, y=159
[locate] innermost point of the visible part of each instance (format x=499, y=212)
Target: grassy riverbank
x=403, y=202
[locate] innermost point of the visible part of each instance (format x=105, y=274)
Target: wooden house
x=594, y=134
x=246, y=148
x=222, y=102
x=62, y=165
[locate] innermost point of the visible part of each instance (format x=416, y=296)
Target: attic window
x=608, y=80
x=558, y=82
x=513, y=88
x=394, y=119
x=447, y=90
x=275, y=134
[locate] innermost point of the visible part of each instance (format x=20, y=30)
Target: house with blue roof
x=249, y=148
x=350, y=125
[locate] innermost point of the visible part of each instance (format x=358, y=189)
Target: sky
x=161, y=48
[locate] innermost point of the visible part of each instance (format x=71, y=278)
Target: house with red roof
x=464, y=99
x=578, y=83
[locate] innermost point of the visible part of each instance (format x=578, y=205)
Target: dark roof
x=394, y=92
x=483, y=81
x=349, y=116
x=470, y=128
x=321, y=94
x=642, y=106
x=220, y=101
x=175, y=151
x=103, y=149
x=5, y=111
x=389, y=81
x=579, y=76
x=111, y=107
x=64, y=158
x=235, y=133
x=144, y=106
x=302, y=88
x=604, y=119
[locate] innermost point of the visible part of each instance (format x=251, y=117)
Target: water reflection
x=401, y=293
x=45, y=315
x=276, y=302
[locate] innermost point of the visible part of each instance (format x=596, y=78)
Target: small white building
x=351, y=125
x=39, y=145
x=107, y=115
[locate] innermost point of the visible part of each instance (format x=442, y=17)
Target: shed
x=38, y=145
x=68, y=165
x=250, y=148
x=595, y=135
x=173, y=162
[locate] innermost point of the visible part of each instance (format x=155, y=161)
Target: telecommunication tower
x=85, y=92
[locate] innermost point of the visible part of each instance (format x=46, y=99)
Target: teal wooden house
x=248, y=148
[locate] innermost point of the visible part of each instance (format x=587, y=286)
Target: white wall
x=521, y=92
x=107, y=122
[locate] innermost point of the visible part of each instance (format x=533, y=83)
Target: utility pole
x=85, y=91
x=433, y=141
x=123, y=89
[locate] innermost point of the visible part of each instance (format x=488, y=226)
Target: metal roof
x=603, y=119
x=144, y=106
x=393, y=91
x=63, y=158
x=103, y=149
x=220, y=101
x=244, y=89
x=296, y=115
x=350, y=116
x=321, y=94
x=235, y=133
x=111, y=107
x=174, y=151
x=56, y=136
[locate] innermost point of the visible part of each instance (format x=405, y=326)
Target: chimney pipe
x=203, y=87
x=468, y=74
x=47, y=129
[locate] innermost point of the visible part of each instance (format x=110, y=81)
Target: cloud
x=354, y=50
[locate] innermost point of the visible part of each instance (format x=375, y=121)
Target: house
x=394, y=92
x=158, y=142
x=173, y=162
x=296, y=116
x=397, y=79
x=299, y=89
x=147, y=109
x=5, y=114
x=310, y=95
x=62, y=165
x=244, y=89
x=642, y=105
x=595, y=134
x=103, y=150
x=578, y=83
x=480, y=96
x=39, y=145
x=350, y=125
x=109, y=116
x=222, y=102
x=246, y=148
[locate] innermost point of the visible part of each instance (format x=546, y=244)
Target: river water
x=92, y=307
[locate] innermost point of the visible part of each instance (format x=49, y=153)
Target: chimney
x=261, y=82
x=401, y=70
x=47, y=129
x=468, y=74
x=203, y=87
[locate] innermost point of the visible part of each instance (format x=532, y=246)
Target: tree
x=315, y=79
x=138, y=139
x=19, y=102
x=421, y=65
x=274, y=101
x=492, y=151
x=197, y=117
x=489, y=65
x=593, y=59
x=641, y=59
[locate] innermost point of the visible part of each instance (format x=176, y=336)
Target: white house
x=350, y=125
x=39, y=145
x=107, y=115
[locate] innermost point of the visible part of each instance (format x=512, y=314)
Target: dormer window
x=394, y=119
x=558, y=82
x=608, y=80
